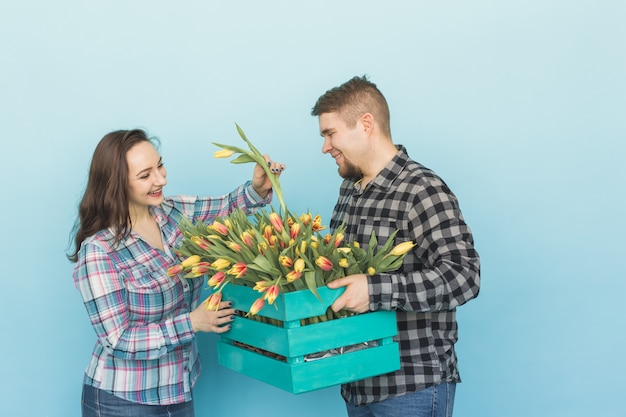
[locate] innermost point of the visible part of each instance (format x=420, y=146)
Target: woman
x=145, y=361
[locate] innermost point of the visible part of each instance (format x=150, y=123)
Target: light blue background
x=518, y=105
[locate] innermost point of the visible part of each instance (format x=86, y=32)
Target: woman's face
x=146, y=176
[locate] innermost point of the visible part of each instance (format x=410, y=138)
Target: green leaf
x=244, y=158
x=309, y=278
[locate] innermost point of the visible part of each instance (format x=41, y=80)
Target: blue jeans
x=435, y=401
x=99, y=403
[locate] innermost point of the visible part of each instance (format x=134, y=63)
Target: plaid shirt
x=146, y=349
x=441, y=273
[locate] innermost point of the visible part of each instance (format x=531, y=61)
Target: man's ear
x=367, y=121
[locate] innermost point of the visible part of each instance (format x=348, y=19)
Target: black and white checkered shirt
x=441, y=273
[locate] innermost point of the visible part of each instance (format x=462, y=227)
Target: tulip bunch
x=275, y=252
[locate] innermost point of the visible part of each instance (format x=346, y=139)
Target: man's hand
x=356, y=297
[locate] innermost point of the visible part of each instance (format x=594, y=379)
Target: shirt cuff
x=381, y=291
x=256, y=198
x=178, y=331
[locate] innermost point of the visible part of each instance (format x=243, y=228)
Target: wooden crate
x=293, y=342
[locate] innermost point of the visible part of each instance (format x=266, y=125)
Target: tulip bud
x=217, y=279
x=299, y=265
x=201, y=242
x=213, y=302
x=371, y=270
x=238, y=270
x=236, y=247
x=344, y=263
x=276, y=222
x=221, y=263
x=193, y=259
x=402, y=248
x=257, y=306
x=306, y=218
x=293, y=276
x=294, y=230
x=224, y=153
x=261, y=286
x=285, y=261
x=324, y=263
x=271, y=294
x=199, y=269
x=219, y=228
x=247, y=238
x=174, y=270
x=338, y=239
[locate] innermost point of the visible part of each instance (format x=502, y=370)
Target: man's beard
x=349, y=171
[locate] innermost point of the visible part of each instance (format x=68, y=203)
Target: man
x=383, y=191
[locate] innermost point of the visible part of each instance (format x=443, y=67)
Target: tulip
x=344, y=250
x=221, y=263
x=262, y=247
x=317, y=224
x=236, y=247
x=238, y=270
x=324, y=263
x=174, y=270
x=293, y=276
x=276, y=222
x=247, y=238
x=201, y=242
x=273, y=241
x=257, y=306
x=285, y=261
x=213, y=302
x=303, y=246
x=402, y=248
x=327, y=238
x=271, y=294
x=193, y=259
x=219, y=228
x=294, y=230
x=306, y=218
x=268, y=232
x=197, y=271
x=344, y=263
x=224, y=153
x=228, y=224
x=338, y=239
x=217, y=279
x=371, y=270
x=261, y=286
x=298, y=265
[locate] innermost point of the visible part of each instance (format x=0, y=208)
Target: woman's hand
x=260, y=181
x=203, y=320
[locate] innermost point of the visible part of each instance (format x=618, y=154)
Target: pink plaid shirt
x=146, y=349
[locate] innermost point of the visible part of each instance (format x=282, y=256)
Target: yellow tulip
x=402, y=248
x=221, y=263
x=224, y=153
x=192, y=260
x=298, y=265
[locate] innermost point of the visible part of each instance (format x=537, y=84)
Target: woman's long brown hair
x=105, y=202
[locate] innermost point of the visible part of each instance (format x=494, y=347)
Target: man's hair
x=353, y=99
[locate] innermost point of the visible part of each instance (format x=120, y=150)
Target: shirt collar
x=390, y=172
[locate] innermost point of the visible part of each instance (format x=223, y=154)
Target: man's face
x=342, y=143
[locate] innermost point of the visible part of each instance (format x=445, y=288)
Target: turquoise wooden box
x=294, y=342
